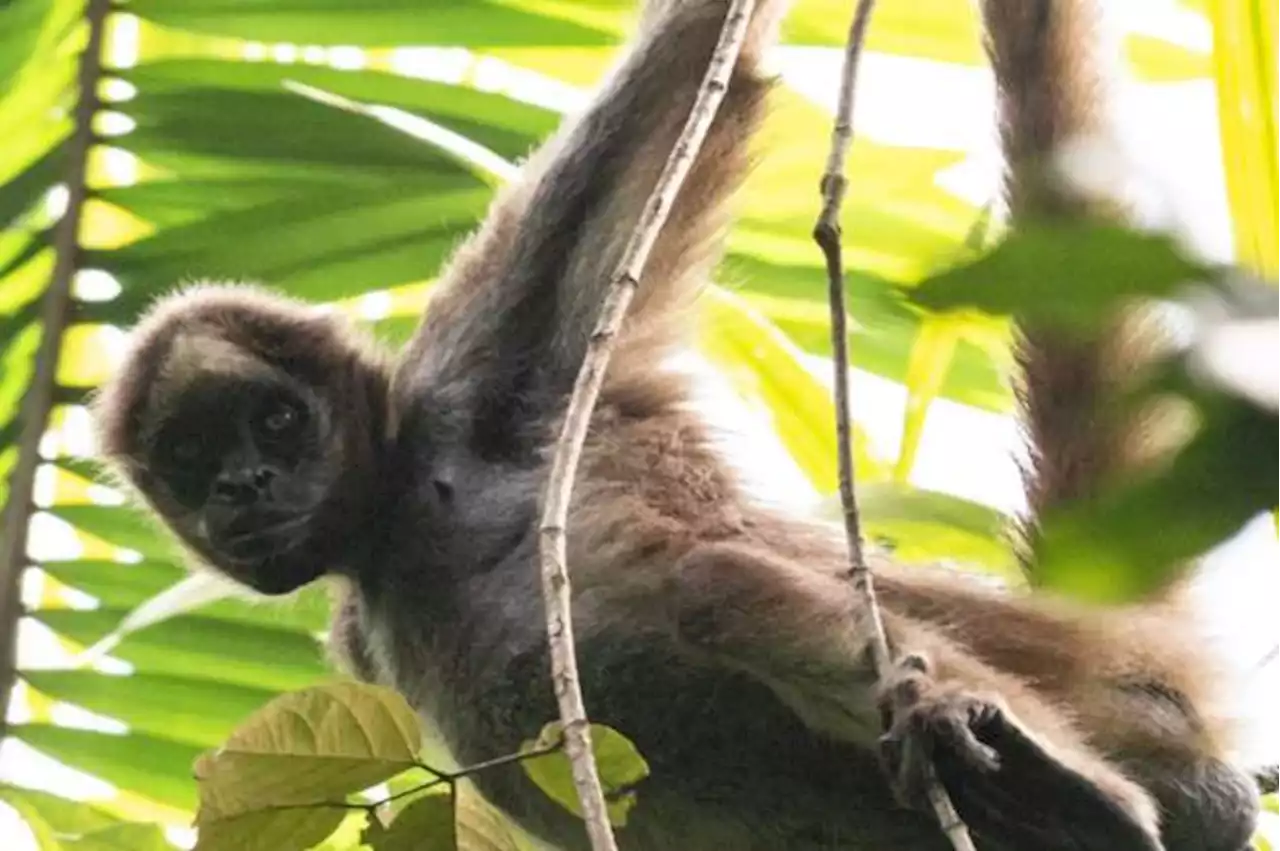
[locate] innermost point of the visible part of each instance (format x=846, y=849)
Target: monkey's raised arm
x=505, y=336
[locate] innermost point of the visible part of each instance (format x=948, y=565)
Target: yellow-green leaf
x=309, y=747
x=1159, y=61
x=121, y=837
x=1271, y=804
x=620, y=766
x=45, y=836
x=927, y=526
x=1244, y=59
x=64, y=817
x=931, y=354
x=481, y=827
x=296, y=829
x=762, y=364
x=425, y=825
x=931, y=29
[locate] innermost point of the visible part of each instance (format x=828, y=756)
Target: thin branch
x=827, y=234
x=496, y=762
x=41, y=396
x=555, y=577
x=439, y=778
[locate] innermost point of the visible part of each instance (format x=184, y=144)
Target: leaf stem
x=496, y=762
x=55, y=315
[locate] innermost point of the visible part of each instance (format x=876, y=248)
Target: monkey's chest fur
x=454, y=620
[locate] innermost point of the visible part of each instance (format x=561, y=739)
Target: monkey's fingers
x=922, y=719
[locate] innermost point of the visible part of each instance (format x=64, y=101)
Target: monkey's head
x=252, y=425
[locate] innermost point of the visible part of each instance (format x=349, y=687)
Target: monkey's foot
x=1007, y=787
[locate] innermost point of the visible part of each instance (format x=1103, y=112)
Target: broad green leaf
x=119, y=526
x=21, y=192
x=507, y=127
x=296, y=829
x=764, y=365
x=116, y=585
x=931, y=355
x=305, y=245
x=227, y=651
x=1244, y=60
x=190, y=593
x=897, y=223
x=1137, y=536
x=31, y=115
x=119, y=585
x=425, y=825
x=122, y=837
x=929, y=29
x=347, y=836
x=19, y=31
x=46, y=838
x=168, y=202
x=620, y=765
x=309, y=747
x=195, y=711
x=925, y=526
x=62, y=816
x=154, y=767
x=1070, y=274
x=480, y=827
x=89, y=469
x=469, y=23
x=1158, y=61
x=22, y=278
x=16, y=368
x=272, y=126
x=882, y=329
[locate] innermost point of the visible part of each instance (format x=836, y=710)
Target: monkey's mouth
x=253, y=541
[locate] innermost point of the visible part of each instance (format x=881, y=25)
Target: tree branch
x=827, y=234
x=41, y=396
x=555, y=578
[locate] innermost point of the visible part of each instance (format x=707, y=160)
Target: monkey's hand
x=1005, y=785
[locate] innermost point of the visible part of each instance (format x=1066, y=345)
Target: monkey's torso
x=719, y=743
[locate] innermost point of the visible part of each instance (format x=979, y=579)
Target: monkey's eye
x=280, y=418
x=185, y=449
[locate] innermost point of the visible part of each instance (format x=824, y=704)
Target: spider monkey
x=715, y=632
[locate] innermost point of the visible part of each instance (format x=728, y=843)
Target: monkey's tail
x=1050, y=97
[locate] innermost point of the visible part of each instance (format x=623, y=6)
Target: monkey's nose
x=242, y=487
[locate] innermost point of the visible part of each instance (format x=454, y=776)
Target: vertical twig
x=827, y=234
x=55, y=312
x=555, y=577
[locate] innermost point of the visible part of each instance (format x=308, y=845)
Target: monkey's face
x=252, y=425
x=242, y=466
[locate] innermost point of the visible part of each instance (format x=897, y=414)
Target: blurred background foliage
x=302, y=145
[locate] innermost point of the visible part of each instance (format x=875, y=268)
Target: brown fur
x=1070, y=384
x=718, y=633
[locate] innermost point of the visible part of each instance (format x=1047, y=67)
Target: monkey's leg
x=1020, y=775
